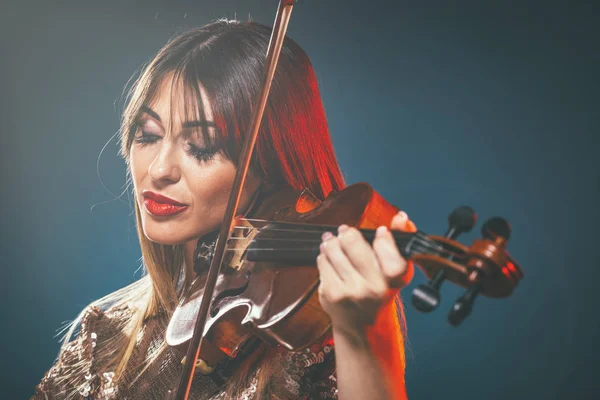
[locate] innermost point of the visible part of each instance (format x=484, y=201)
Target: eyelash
x=197, y=153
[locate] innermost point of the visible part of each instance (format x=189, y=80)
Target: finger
x=393, y=266
x=331, y=248
x=361, y=255
x=401, y=222
x=330, y=285
x=411, y=227
x=327, y=274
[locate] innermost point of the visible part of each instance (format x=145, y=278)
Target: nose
x=165, y=166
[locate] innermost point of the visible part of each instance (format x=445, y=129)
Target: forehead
x=181, y=100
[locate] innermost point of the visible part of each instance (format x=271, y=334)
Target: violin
x=268, y=282
x=262, y=281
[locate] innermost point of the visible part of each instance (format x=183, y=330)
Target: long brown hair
x=293, y=148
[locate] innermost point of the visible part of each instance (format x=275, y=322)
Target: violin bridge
x=243, y=233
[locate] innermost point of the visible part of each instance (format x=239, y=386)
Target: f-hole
x=214, y=310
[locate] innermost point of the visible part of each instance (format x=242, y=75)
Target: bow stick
x=282, y=19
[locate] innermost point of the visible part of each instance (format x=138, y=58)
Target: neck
x=188, y=256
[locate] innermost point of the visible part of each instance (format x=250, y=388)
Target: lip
x=159, y=198
x=159, y=205
x=162, y=209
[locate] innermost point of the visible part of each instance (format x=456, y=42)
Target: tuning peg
x=426, y=298
x=496, y=227
x=461, y=220
x=463, y=305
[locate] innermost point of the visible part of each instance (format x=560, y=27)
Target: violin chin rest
x=201, y=366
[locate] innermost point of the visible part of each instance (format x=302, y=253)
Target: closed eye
x=202, y=155
x=146, y=138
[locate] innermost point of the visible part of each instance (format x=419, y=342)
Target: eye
x=146, y=138
x=143, y=136
x=201, y=154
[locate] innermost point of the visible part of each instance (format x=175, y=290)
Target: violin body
x=268, y=283
x=276, y=302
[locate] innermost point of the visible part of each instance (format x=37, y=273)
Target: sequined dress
x=307, y=374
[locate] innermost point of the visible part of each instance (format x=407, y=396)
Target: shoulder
x=74, y=370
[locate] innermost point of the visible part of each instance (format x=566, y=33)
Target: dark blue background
x=435, y=103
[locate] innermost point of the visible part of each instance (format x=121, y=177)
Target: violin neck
x=406, y=242
x=296, y=244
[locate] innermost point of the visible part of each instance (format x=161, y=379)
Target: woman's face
x=178, y=164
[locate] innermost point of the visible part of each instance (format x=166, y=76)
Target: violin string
x=253, y=220
x=302, y=231
x=280, y=240
x=417, y=248
x=311, y=248
x=323, y=229
x=424, y=244
x=319, y=229
x=417, y=239
x=422, y=251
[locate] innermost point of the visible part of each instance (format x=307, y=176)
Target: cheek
x=138, y=164
x=212, y=194
x=138, y=168
x=212, y=189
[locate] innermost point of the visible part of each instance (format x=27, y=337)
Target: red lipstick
x=160, y=205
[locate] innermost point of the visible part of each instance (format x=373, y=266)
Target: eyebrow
x=187, y=124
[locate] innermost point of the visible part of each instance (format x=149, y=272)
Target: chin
x=170, y=241
x=162, y=236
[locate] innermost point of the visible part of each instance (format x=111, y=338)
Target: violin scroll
x=483, y=268
x=426, y=298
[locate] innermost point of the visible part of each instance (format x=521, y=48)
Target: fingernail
x=342, y=228
x=381, y=231
x=402, y=215
x=411, y=226
x=326, y=235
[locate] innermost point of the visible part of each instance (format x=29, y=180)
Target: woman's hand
x=358, y=280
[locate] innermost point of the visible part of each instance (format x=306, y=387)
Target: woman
x=181, y=134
